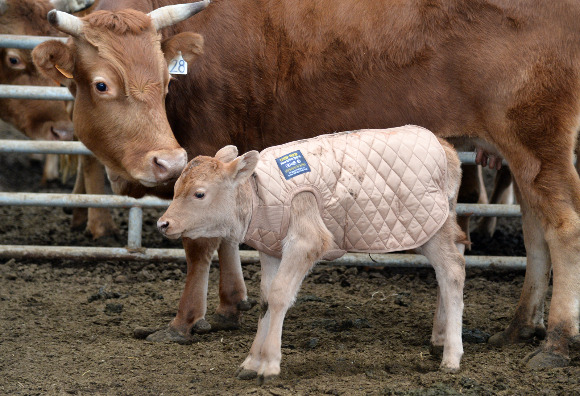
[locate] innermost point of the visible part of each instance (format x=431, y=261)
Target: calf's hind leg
x=449, y=265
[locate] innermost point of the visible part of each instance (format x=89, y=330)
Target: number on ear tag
x=178, y=65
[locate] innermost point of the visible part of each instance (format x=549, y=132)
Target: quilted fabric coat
x=378, y=190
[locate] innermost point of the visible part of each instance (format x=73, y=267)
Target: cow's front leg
x=90, y=179
x=528, y=320
x=100, y=222
x=232, y=289
x=192, y=307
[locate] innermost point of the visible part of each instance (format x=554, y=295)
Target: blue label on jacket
x=292, y=164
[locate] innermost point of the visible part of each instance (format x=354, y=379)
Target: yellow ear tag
x=63, y=72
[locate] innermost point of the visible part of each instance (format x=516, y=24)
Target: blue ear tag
x=292, y=164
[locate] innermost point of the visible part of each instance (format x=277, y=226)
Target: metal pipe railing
x=25, y=42
x=395, y=260
x=34, y=93
x=43, y=147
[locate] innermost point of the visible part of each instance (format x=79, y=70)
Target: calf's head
x=116, y=66
x=208, y=201
x=37, y=119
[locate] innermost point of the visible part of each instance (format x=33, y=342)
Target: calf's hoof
x=223, y=322
x=245, y=374
x=524, y=335
x=142, y=333
x=264, y=379
x=168, y=335
x=246, y=305
x=202, y=326
x=538, y=360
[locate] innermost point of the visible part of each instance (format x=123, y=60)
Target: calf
x=365, y=191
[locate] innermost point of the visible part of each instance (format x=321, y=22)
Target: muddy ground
x=66, y=327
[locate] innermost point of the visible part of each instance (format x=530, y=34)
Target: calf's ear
x=227, y=154
x=55, y=60
x=190, y=44
x=242, y=167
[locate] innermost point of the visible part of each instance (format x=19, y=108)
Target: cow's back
x=293, y=70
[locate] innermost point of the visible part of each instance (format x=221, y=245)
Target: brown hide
x=274, y=71
x=37, y=119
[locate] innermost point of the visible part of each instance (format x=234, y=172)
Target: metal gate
x=134, y=250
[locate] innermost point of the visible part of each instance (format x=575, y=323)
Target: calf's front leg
x=192, y=307
x=249, y=368
x=232, y=289
x=306, y=241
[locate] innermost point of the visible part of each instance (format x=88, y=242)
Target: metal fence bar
x=246, y=256
x=43, y=147
x=33, y=92
x=80, y=200
x=116, y=201
x=25, y=42
x=135, y=227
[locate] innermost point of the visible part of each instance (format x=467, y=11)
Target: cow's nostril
x=61, y=134
x=162, y=226
x=162, y=165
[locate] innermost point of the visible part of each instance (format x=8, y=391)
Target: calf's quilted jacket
x=378, y=190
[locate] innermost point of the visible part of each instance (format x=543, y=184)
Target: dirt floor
x=67, y=327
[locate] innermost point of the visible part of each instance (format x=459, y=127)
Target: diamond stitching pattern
x=381, y=190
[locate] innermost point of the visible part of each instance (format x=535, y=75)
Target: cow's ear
x=55, y=60
x=190, y=45
x=227, y=154
x=242, y=167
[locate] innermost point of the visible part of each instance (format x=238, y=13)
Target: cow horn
x=65, y=22
x=170, y=15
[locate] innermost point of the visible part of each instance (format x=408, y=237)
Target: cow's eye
x=101, y=87
x=199, y=195
x=14, y=61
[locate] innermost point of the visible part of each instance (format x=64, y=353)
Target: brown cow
x=505, y=74
x=42, y=119
x=37, y=119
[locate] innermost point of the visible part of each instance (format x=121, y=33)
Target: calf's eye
x=199, y=195
x=14, y=61
x=101, y=86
